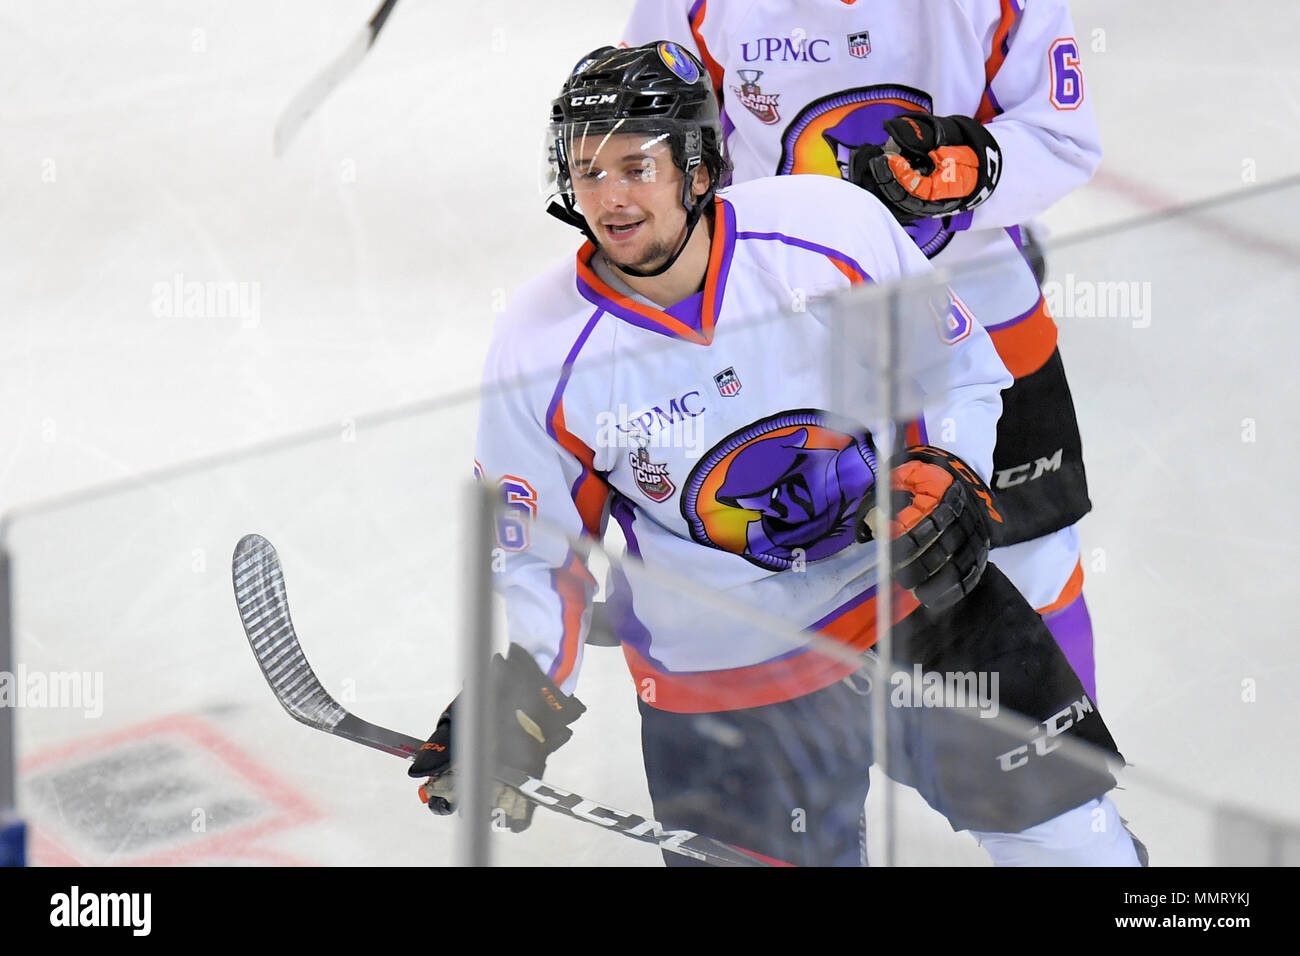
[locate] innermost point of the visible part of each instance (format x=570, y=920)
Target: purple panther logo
x=782, y=489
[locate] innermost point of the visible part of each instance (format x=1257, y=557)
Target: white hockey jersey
x=710, y=432
x=801, y=81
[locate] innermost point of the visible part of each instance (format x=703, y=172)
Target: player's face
x=630, y=192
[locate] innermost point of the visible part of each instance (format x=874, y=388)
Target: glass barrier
x=723, y=635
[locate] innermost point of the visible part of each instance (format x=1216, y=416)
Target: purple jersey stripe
x=960, y=221
x=1019, y=318
x=993, y=100
x=567, y=369
x=811, y=247
x=689, y=315
x=627, y=627
x=858, y=601
x=689, y=311
x=1072, y=628
x=625, y=514
x=566, y=658
x=627, y=315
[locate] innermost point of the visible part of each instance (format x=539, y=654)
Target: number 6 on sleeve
x=1067, y=74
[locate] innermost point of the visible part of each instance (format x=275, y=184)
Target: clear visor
x=583, y=161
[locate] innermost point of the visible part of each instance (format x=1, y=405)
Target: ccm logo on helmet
x=593, y=100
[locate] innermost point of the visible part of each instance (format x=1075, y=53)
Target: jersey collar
x=693, y=319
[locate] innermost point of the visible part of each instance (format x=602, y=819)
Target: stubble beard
x=655, y=255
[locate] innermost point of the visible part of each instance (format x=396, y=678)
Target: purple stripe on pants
x=1072, y=628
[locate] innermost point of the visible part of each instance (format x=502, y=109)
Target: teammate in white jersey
x=668, y=379
x=821, y=86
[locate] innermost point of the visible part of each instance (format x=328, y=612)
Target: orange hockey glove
x=931, y=166
x=941, y=525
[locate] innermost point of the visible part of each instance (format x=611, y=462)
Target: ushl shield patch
x=728, y=382
x=859, y=44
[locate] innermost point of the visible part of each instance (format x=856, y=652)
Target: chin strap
x=566, y=213
x=692, y=220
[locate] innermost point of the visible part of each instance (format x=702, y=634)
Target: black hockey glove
x=530, y=718
x=941, y=525
x=931, y=166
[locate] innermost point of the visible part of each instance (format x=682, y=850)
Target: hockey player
x=983, y=110
x=681, y=299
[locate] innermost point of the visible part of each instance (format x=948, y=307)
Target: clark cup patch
x=728, y=382
x=651, y=476
x=763, y=105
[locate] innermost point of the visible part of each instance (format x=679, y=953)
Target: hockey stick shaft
x=264, y=611
x=311, y=96
x=377, y=21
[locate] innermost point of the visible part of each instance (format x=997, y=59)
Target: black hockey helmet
x=660, y=89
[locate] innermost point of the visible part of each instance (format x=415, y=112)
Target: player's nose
x=614, y=194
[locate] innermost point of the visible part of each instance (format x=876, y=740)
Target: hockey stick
x=264, y=611
x=311, y=96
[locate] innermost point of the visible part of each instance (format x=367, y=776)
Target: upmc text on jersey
x=678, y=427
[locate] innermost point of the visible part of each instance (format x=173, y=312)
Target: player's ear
x=700, y=183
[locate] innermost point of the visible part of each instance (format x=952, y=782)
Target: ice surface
x=372, y=259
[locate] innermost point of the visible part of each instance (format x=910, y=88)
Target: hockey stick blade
x=311, y=96
x=264, y=610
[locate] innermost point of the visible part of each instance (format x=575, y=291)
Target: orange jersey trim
x=994, y=63
x=568, y=582
x=702, y=692
x=853, y=275
x=717, y=255
x=1025, y=344
x=589, y=496
x=714, y=287
x=716, y=72
x=675, y=326
x=1073, y=588
x=591, y=492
